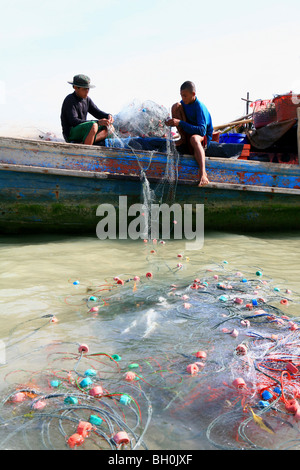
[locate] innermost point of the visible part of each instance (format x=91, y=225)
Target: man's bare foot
x=203, y=180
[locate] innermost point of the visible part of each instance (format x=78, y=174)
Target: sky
x=137, y=49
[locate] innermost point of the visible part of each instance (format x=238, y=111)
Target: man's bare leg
x=95, y=136
x=89, y=140
x=178, y=113
x=101, y=135
x=199, y=154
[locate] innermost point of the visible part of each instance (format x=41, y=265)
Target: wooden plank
x=101, y=175
x=53, y=171
x=241, y=187
x=233, y=124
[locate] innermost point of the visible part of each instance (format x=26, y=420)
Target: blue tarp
x=138, y=143
x=158, y=144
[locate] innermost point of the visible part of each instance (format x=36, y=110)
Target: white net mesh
x=141, y=119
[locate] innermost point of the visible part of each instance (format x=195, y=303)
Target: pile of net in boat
x=141, y=119
x=140, y=126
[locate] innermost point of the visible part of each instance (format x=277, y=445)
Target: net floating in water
x=76, y=414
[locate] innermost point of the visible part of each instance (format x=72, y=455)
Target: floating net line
x=260, y=406
x=70, y=408
x=234, y=364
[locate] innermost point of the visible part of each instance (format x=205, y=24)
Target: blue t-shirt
x=198, y=120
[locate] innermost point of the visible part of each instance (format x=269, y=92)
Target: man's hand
x=104, y=122
x=172, y=122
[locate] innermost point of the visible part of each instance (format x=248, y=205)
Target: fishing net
x=231, y=363
x=83, y=404
x=141, y=119
x=249, y=376
x=140, y=127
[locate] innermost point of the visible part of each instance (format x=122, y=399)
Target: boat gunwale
x=111, y=152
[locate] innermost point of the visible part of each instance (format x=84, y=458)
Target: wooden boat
x=56, y=187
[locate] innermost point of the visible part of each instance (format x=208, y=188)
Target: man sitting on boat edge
x=194, y=124
x=76, y=106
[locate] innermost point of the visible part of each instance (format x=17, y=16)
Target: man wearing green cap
x=74, y=112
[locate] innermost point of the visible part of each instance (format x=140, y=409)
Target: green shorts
x=79, y=133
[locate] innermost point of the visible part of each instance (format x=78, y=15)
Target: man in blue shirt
x=194, y=124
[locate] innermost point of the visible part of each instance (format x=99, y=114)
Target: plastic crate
x=286, y=106
x=232, y=138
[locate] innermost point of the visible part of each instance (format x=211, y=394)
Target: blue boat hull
x=57, y=188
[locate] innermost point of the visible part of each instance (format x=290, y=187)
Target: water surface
x=138, y=320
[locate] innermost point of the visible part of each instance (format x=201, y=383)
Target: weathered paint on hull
x=118, y=163
x=57, y=187
x=67, y=204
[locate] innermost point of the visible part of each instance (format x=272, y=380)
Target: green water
x=148, y=320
